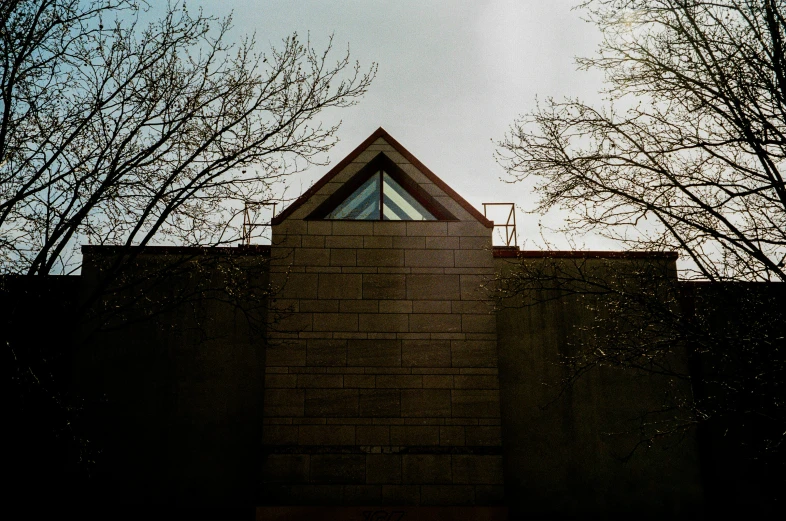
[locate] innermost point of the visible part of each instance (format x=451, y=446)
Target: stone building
x=360, y=368
x=381, y=380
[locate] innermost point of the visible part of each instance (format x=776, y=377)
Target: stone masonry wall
x=381, y=381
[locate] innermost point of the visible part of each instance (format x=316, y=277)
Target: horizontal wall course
x=427, y=228
x=308, y=421
x=320, y=381
x=475, y=403
x=461, y=421
x=384, y=322
x=359, y=381
x=395, y=306
x=313, y=241
x=385, y=286
x=361, y=228
x=380, y=257
x=320, y=227
x=431, y=306
x=344, y=370
x=488, y=272
x=307, y=370
x=387, y=370
x=435, y=370
x=451, y=435
x=433, y=495
x=350, y=335
x=372, y=435
x=443, y=243
x=425, y=353
x=338, y=468
x=362, y=269
x=478, y=307
x=435, y=323
x=476, y=382
x=343, y=257
x=429, y=258
x=379, y=402
x=331, y=402
x=393, y=269
x=280, y=381
x=340, y=286
x=430, y=403
x=433, y=287
x=359, y=306
x=408, y=435
x=335, y=322
x=409, y=243
x=326, y=352
x=374, y=353
x=344, y=241
x=426, y=468
x=485, y=469
x=362, y=494
x=383, y=468
x=413, y=336
x=448, y=336
x=401, y=494
x=390, y=228
x=382, y=336
x=438, y=381
x=349, y=421
x=324, y=269
x=424, y=421
x=401, y=381
x=483, y=435
x=312, y=257
x=478, y=370
x=318, y=306
x=431, y=271
x=377, y=241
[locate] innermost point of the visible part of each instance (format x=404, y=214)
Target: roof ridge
x=381, y=133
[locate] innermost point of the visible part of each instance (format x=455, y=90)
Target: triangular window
x=397, y=203
x=381, y=191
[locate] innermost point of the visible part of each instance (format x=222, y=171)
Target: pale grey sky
x=453, y=75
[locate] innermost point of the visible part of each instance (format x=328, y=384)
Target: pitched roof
x=381, y=133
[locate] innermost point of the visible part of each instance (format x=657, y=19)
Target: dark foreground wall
x=173, y=349
x=741, y=375
x=566, y=448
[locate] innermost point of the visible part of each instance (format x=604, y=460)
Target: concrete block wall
x=381, y=381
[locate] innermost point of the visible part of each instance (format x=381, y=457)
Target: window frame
x=381, y=163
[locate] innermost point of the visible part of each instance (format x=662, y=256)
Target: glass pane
x=363, y=204
x=399, y=205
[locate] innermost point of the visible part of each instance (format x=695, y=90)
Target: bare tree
x=695, y=162
x=114, y=133
x=689, y=156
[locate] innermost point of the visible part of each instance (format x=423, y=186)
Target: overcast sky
x=453, y=75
